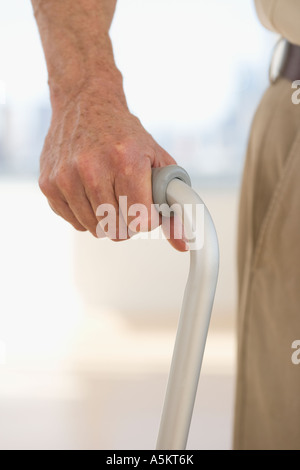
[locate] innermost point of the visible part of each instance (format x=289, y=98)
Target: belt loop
x=279, y=59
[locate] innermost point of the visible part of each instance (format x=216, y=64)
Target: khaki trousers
x=268, y=382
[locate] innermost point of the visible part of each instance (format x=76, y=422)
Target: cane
x=171, y=187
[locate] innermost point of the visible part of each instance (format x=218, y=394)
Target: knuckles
x=58, y=181
x=47, y=187
x=90, y=168
x=63, y=180
x=81, y=164
x=124, y=158
x=128, y=157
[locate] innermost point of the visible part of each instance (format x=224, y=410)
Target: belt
x=285, y=61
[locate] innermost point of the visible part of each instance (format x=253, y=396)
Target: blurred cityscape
x=214, y=156
x=211, y=155
x=213, y=152
x=22, y=133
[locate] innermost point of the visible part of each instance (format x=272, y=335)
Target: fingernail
x=186, y=246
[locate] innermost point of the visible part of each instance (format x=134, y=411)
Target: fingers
x=79, y=204
x=106, y=208
x=134, y=180
x=66, y=197
x=62, y=209
x=179, y=245
x=99, y=190
x=109, y=197
x=174, y=232
x=86, y=203
x=105, y=225
x=140, y=212
x=137, y=208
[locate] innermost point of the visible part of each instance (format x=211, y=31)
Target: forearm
x=95, y=151
x=77, y=46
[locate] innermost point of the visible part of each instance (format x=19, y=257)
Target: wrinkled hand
x=96, y=151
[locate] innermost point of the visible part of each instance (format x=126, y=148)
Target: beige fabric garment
x=268, y=382
x=268, y=385
x=281, y=16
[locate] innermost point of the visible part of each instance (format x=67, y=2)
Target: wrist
x=77, y=46
x=96, y=84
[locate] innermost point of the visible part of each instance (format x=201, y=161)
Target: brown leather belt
x=291, y=66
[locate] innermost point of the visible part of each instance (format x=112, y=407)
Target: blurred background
x=87, y=327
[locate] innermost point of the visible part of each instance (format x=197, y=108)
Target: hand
x=96, y=151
